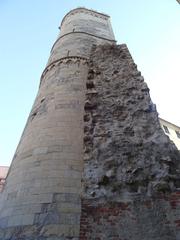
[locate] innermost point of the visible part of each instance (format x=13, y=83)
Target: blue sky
x=151, y=29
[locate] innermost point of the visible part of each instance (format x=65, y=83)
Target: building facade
x=172, y=131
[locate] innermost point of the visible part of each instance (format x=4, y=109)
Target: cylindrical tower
x=42, y=193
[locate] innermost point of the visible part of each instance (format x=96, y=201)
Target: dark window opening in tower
x=166, y=129
x=178, y=134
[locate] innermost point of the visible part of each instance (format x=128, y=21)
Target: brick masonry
x=139, y=218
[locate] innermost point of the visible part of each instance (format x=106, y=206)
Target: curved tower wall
x=87, y=21
x=80, y=29
x=43, y=187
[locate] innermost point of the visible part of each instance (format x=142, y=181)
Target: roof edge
x=169, y=122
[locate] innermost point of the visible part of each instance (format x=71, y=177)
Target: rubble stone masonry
x=131, y=169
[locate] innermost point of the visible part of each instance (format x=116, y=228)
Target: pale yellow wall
x=172, y=134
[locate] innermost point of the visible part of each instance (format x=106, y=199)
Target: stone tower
x=43, y=186
x=93, y=162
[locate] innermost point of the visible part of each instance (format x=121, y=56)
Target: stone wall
x=75, y=44
x=41, y=198
x=3, y=174
x=80, y=29
x=131, y=171
x=130, y=168
x=44, y=183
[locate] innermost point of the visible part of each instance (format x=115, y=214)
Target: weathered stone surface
x=125, y=147
x=131, y=169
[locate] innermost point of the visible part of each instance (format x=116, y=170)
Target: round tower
x=41, y=197
x=80, y=29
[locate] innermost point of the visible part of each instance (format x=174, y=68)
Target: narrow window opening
x=178, y=134
x=166, y=129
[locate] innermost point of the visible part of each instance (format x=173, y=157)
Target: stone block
x=47, y=218
x=71, y=231
x=27, y=219
x=69, y=218
x=68, y=207
x=67, y=198
x=40, y=150
x=4, y=222
x=21, y=220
